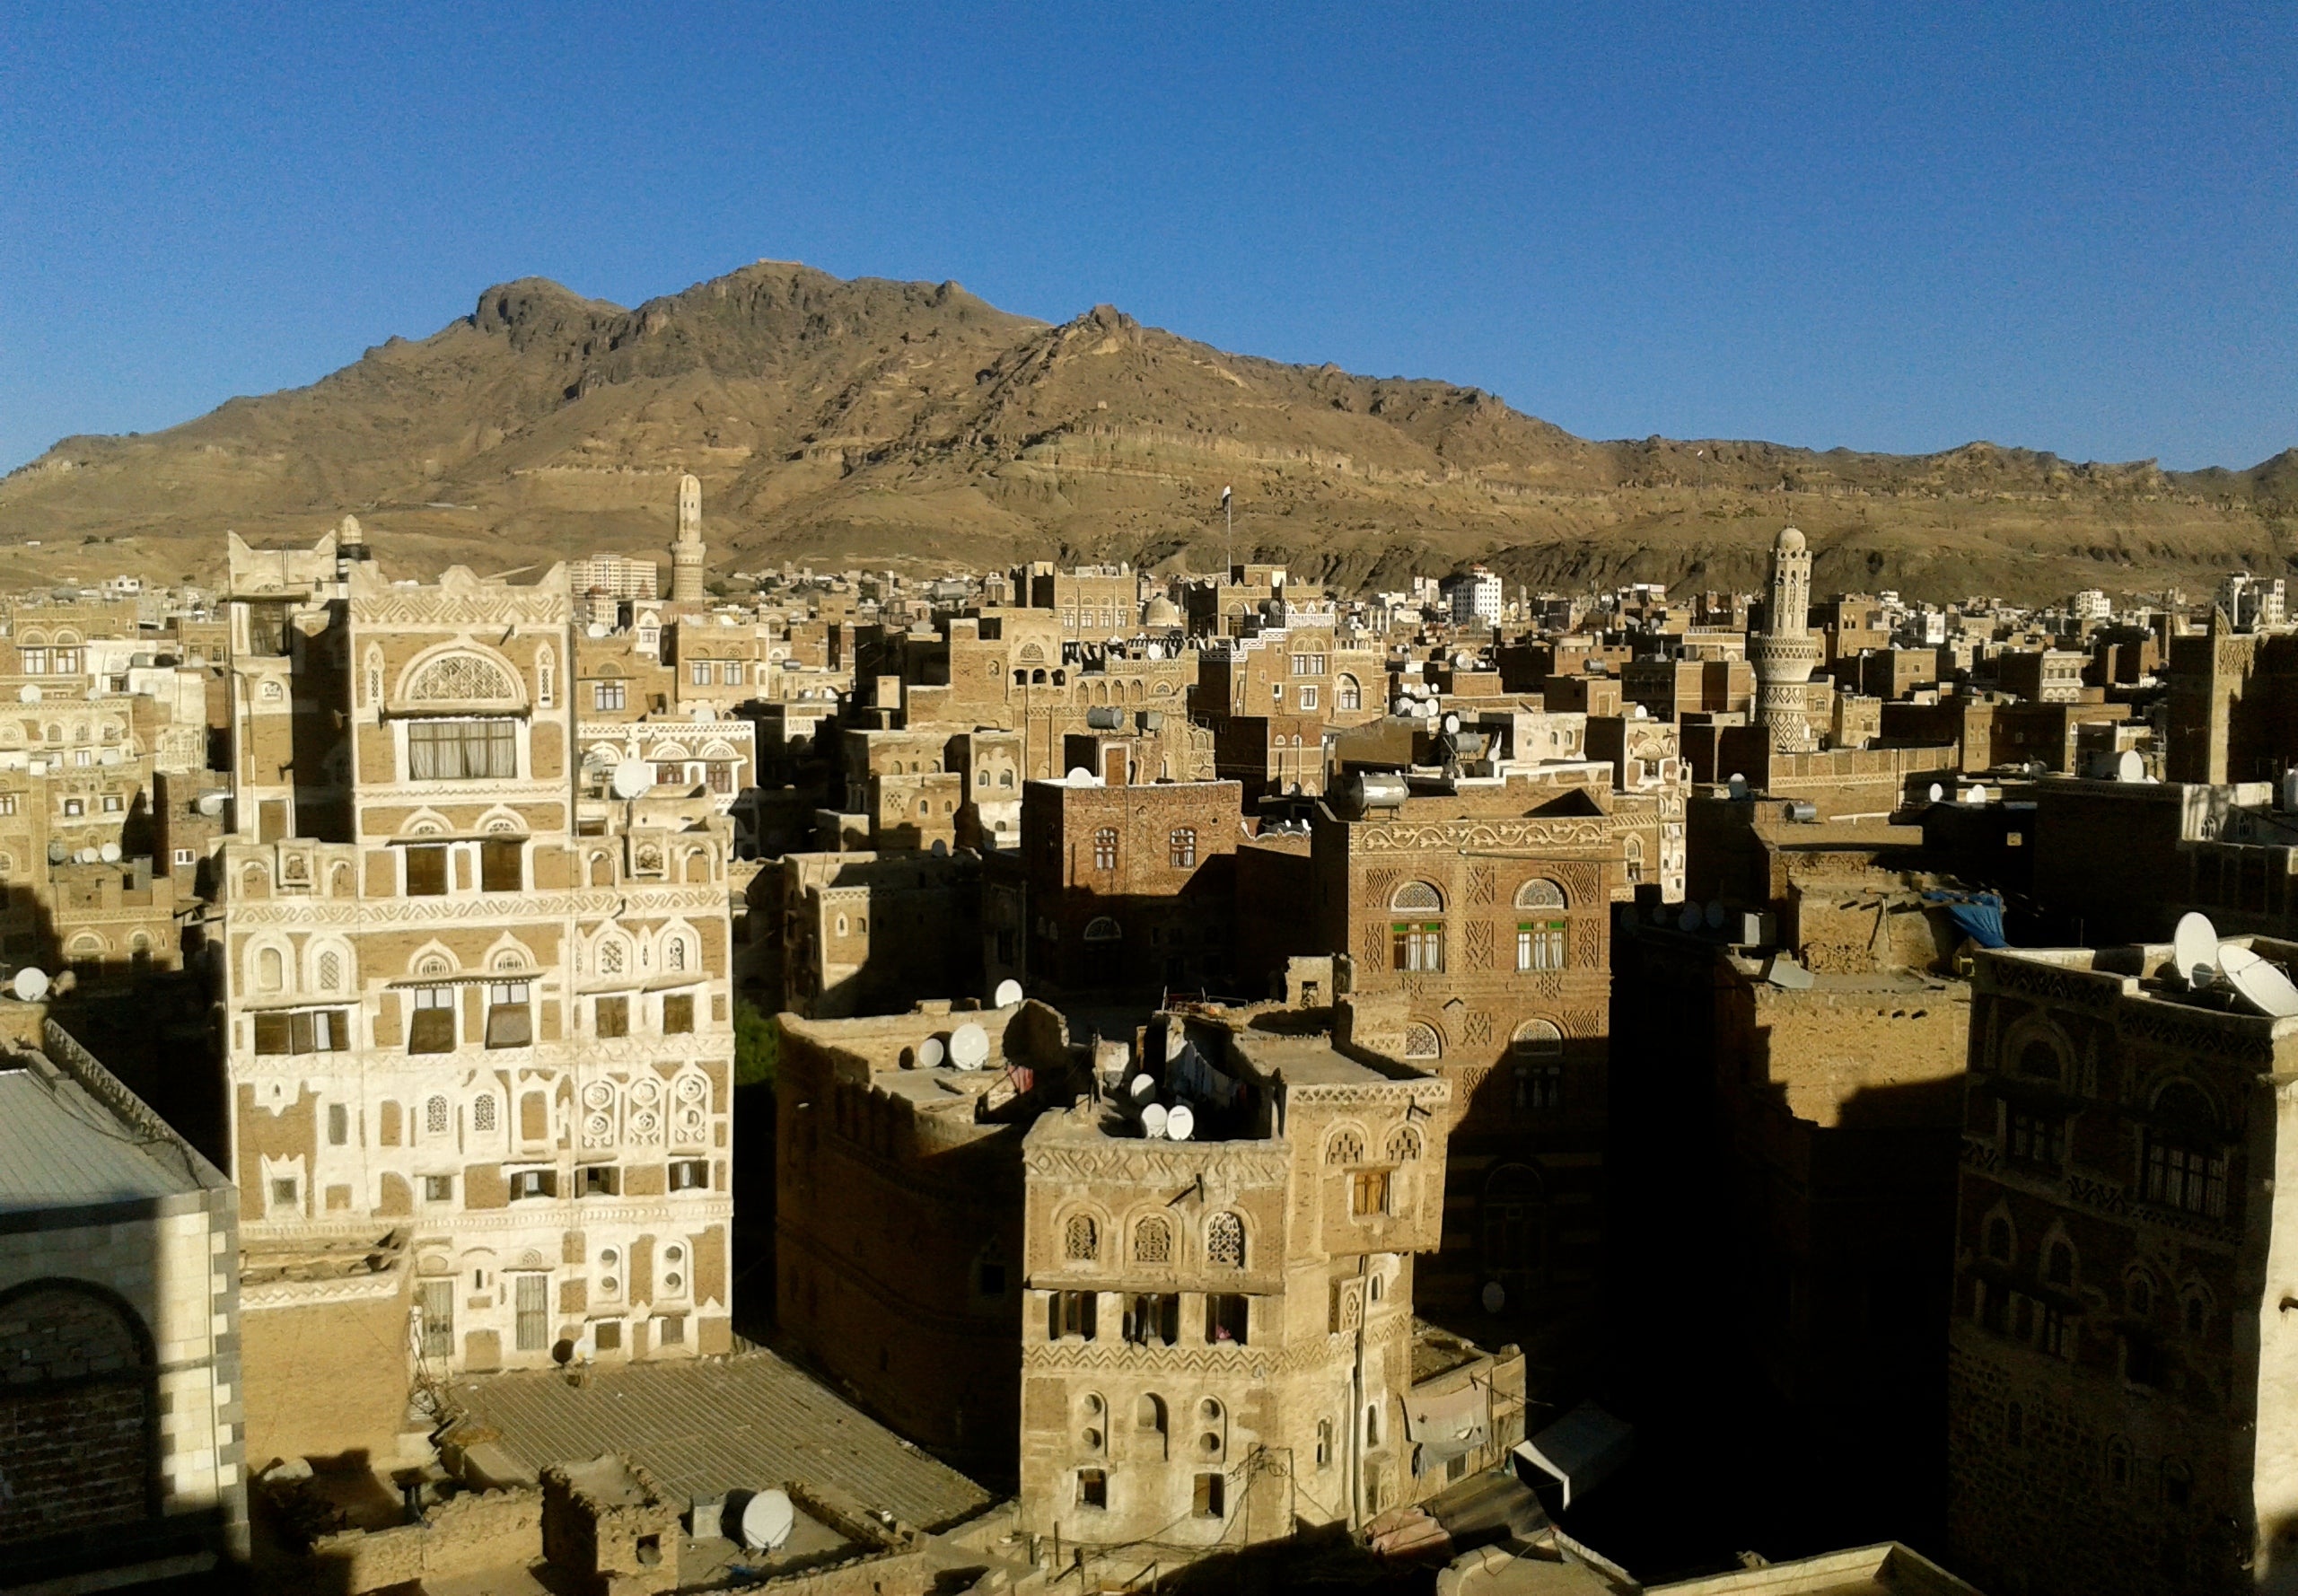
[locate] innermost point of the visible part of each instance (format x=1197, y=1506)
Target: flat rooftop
x=701, y=1429
x=1304, y=1061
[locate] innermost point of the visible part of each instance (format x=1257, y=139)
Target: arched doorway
x=81, y=1380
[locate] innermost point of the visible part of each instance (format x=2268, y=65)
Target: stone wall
x=325, y=1377
x=462, y=1536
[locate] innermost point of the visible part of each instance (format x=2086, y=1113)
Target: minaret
x=1785, y=653
x=687, y=553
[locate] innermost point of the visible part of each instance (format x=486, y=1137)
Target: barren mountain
x=875, y=423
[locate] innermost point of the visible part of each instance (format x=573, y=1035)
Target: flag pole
x=1228, y=513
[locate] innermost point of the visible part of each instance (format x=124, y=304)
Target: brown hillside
x=877, y=421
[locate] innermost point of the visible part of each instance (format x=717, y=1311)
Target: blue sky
x=1886, y=225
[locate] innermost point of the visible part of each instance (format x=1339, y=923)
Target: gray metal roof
x=61, y=1148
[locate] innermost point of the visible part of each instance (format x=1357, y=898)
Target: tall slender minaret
x=687, y=552
x=1785, y=653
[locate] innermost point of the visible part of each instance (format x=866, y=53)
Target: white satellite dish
x=597, y=628
x=1141, y=1089
x=2261, y=985
x=1451, y=725
x=210, y=804
x=1009, y=993
x=1496, y=1296
x=1180, y=1120
x=109, y=853
x=1153, y=1121
x=632, y=778
x=1079, y=776
x=929, y=1053
x=1937, y=792
x=30, y=984
x=1715, y=914
x=2129, y=767
x=1738, y=785
x=768, y=1519
x=2195, y=946
x=968, y=1046
x=85, y=856
x=28, y=693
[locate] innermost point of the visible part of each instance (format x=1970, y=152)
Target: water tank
x=1364, y=790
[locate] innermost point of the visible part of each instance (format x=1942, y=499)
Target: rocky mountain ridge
x=873, y=422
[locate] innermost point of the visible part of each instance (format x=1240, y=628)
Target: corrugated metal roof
x=703, y=1428
x=61, y=1148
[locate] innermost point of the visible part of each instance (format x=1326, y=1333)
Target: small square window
x=670, y=1330
x=1211, y=1496
x=612, y=1017
x=678, y=1015
x=438, y=1188
x=427, y=870
x=283, y=1193
x=606, y=1335
x=1093, y=1487
x=601, y=1179
x=691, y=1174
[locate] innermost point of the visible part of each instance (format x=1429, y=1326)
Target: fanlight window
x=1103, y=930
x=1417, y=895
x=1537, y=1039
x=1345, y=1148
x=1539, y=893
x=1404, y=1145
x=461, y=679
x=1421, y=1041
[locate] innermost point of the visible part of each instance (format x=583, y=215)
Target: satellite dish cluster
x=966, y=1047
x=2212, y=967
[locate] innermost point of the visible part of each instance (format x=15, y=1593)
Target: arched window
x=1404, y=1145
x=2138, y=1296
x=435, y=1116
x=1348, y=694
x=610, y=958
x=1346, y=1147
x=1149, y=1419
x=270, y=970
x=674, y=952
x=2058, y=1263
x=2185, y=1165
x=1105, y=848
x=2117, y=1463
x=1421, y=1041
x=1417, y=945
x=1082, y=1240
x=2194, y=1313
x=1152, y=1242
x=1225, y=1242
x=1998, y=1239
x=80, y=1364
x=482, y=1112
x=1414, y=897
x=1324, y=1444
x=1102, y=929
x=331, y=971
x=2040, y=1060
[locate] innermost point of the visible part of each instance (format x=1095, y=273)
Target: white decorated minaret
x=687, y=553
x=1785, y=653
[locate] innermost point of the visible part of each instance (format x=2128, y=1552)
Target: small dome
x=1791, y=541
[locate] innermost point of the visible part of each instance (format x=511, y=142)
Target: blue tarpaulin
x=1979, y=914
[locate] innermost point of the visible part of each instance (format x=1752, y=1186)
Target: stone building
x=2119, y=1352
x=120, y=1441
x=1116, y=890
x=2233, y=705
x=1477, y=911
x=461, y=995
x=1217, y=1334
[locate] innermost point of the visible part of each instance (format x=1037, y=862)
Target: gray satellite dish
x=1079, y=776
x=30, y=984
x=210, y=804
x=2261, y=985
x=1009, y=993
x=1495, y=1297
x=940, y=850
x=28, y=693
x=1180, y=1120
x=1937, y=792
x=1738, y=785
x=1689, y=920
x=631, y=778
x=109, y=853
x=768, y=1519
x=1715, y=914
x=2195, y=946
x=968, y=1046
x=1153, y=1121
x=57, y=853
x=929, y=1053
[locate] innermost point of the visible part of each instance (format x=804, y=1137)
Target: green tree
x=757, y=1046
